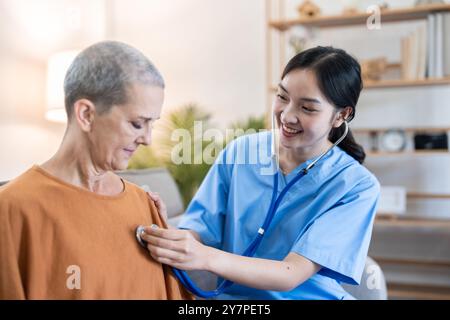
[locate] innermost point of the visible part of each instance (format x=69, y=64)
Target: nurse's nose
x=287, y=116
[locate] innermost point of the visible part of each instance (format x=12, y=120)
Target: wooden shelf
x=423, y=195
x=416, y=291
x=436, y=152
x=412, y=262
x=387, y=84
x=394, y=220
x=392, y=84
x=388, y=15
x=407, y=130
x=408, y=153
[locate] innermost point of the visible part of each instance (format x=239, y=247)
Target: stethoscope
x=182, y=275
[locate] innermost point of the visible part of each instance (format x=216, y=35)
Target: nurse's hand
x=160, y=205
x=176, y=248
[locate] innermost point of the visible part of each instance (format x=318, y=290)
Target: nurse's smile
x=290, y=132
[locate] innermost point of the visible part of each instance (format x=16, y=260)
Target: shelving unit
x=344, y=20
x=377, y=131
x=407, y=130
x=281, y=25
x=388, y=84
x=389, y=15
x=400, y=289
x=391, y=84
x=425, y=195
x=405, y=291
x=402, y=221
x=408, y=153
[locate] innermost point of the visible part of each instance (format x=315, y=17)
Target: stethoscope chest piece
x=139, y=231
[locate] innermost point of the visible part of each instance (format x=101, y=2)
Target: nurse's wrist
x=213, y=259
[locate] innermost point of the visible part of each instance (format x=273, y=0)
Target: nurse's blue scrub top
x=326, y=217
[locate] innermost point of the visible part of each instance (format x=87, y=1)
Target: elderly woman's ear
x=84, y=113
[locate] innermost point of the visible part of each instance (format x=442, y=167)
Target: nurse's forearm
x=258, y=273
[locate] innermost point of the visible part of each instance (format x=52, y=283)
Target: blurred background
x=221, y=61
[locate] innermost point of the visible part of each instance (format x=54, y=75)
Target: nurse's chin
x=293, y=142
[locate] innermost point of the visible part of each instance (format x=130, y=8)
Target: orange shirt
x=60, y=241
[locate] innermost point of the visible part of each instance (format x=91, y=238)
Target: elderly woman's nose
x=146, y=137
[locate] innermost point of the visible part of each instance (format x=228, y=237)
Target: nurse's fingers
x=164, y=243
x=160, y=205
x=155, y=197
x=158, y=253
x=169, y=262
x=170, y=234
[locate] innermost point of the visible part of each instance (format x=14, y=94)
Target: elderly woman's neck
x=73, y=164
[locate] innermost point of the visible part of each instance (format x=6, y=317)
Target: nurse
x=320, y=234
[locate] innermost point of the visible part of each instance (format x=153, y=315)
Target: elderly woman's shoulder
x=20, y=196
x=19, y=187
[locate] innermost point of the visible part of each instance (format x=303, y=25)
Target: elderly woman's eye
x=136, y=125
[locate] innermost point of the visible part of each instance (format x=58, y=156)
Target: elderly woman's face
x=117, y=134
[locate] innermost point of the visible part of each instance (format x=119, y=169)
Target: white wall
x=29, y=32
x=211, y=52
x=25, y=137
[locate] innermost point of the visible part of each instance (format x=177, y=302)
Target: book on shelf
x=431, y=45
x=422, y=53
x=446, y=46
x=438, y=65
x=414, y=54
x=426, y=51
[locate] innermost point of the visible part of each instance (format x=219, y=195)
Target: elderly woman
x=56, y=219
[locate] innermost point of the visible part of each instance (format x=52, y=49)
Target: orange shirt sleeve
x=175, y=290
x=11, y=286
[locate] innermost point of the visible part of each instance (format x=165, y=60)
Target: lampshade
x=57, y=66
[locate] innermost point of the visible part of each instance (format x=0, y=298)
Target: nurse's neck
x=291, y=158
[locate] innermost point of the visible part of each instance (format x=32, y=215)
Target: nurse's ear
x=341, y=116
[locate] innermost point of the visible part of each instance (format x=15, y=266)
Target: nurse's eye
x=136, y=125
x=283, y=98
x=310, y=110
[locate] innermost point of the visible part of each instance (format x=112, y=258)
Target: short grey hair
x=103, y=72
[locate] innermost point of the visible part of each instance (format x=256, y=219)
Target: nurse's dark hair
x=339, y=78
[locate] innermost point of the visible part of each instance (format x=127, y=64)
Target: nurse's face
x=304, y=115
